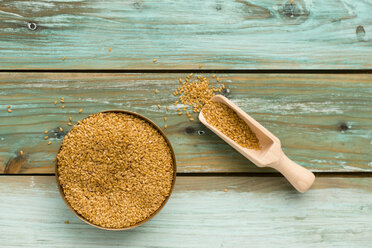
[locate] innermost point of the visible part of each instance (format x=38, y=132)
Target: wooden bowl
x=164, y=202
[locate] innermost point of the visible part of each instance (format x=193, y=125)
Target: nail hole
x=201, y=132
x=190, y=130
x=32, y=26
x=344, y=127
x=225, y=92
x=360, y=33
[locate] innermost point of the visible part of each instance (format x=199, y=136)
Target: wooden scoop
x=270, y=155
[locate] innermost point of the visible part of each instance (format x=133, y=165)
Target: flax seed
x=10, y=111
x=229, y=123
x=70, y=124
x=165, y=118
x=55, y=102
x=165, y=126
x=81, y=111
x=50, y=142
x=156, y=91
x=46, y=131
x=110, y=49
x=63, y=106
x=8, y=107
x=167, y=108
x=159, y=106
x=46, y=137
x=154, y=60
x=60, y=129
x=21, y=152
x=112, y=188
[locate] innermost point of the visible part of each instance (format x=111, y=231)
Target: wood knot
x=58, y=133
x=189, y=130
x=14, y=165
x=294, y=11
x=32, y=26
x=360, y=33
x=344, y=127
x=218, y=7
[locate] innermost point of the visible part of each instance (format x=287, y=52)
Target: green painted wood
x=255, y=212
x=183, y=34
x=306, y=111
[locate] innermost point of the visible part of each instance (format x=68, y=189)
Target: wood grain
x=324, y=121
x=239, y=34
x=255, y=212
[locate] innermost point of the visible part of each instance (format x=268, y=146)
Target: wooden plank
x=323, y=121
x=254, y=212
x=239, y=34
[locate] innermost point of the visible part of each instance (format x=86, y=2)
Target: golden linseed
x=8, y=107
x=229, y=123
x=81, y=111
x=46, y=137
x=115, y=169
x=61, y=129
x=10, y=111
x=196, y=93
x=46, y=131
x=55, y=102
x=63, y=106
x=154, y=60
x=50, y=142
x=156, y=91
x=21, y=152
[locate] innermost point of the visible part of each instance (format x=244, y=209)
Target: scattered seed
x=291, y=1
x=21, y=152
x=165, y=118
x=154, y=60
x=184, y=108
x=67, y=222
x=10, y=111
x=64, y=57
x=225, y=190
x=214, y=76
x=167, y=108
x=46, y=131
x=165, y=126
x=70, y=124
x=178, y=110
x=46, y=137
x=190, y=75
x=50, y=142
x=218, y=79
x=191, y=119
x=200, y=66
x=8, y=107
x=159, y=106
x=180, y=80
x=55, y=102
x=156, y=91
x=60, y=129
x=176, y=102
x=63, y=106
x=70, y=118
x=179, y=113
x=110, y=49
x=54, y=160
x=81, y=111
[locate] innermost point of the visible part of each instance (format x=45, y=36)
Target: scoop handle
x=298, y=176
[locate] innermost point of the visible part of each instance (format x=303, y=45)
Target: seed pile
x=115, y=169
x=229, y=123
x=196, y=93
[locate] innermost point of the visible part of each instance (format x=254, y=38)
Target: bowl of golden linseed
x=115, y=169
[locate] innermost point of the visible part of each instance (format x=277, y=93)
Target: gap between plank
x=236, y=174
x=231, y=71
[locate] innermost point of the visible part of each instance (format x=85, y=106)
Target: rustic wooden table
x=303, y=69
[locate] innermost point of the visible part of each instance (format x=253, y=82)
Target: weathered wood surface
x=323, y=121
x=183, y=34
x=255, y=212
